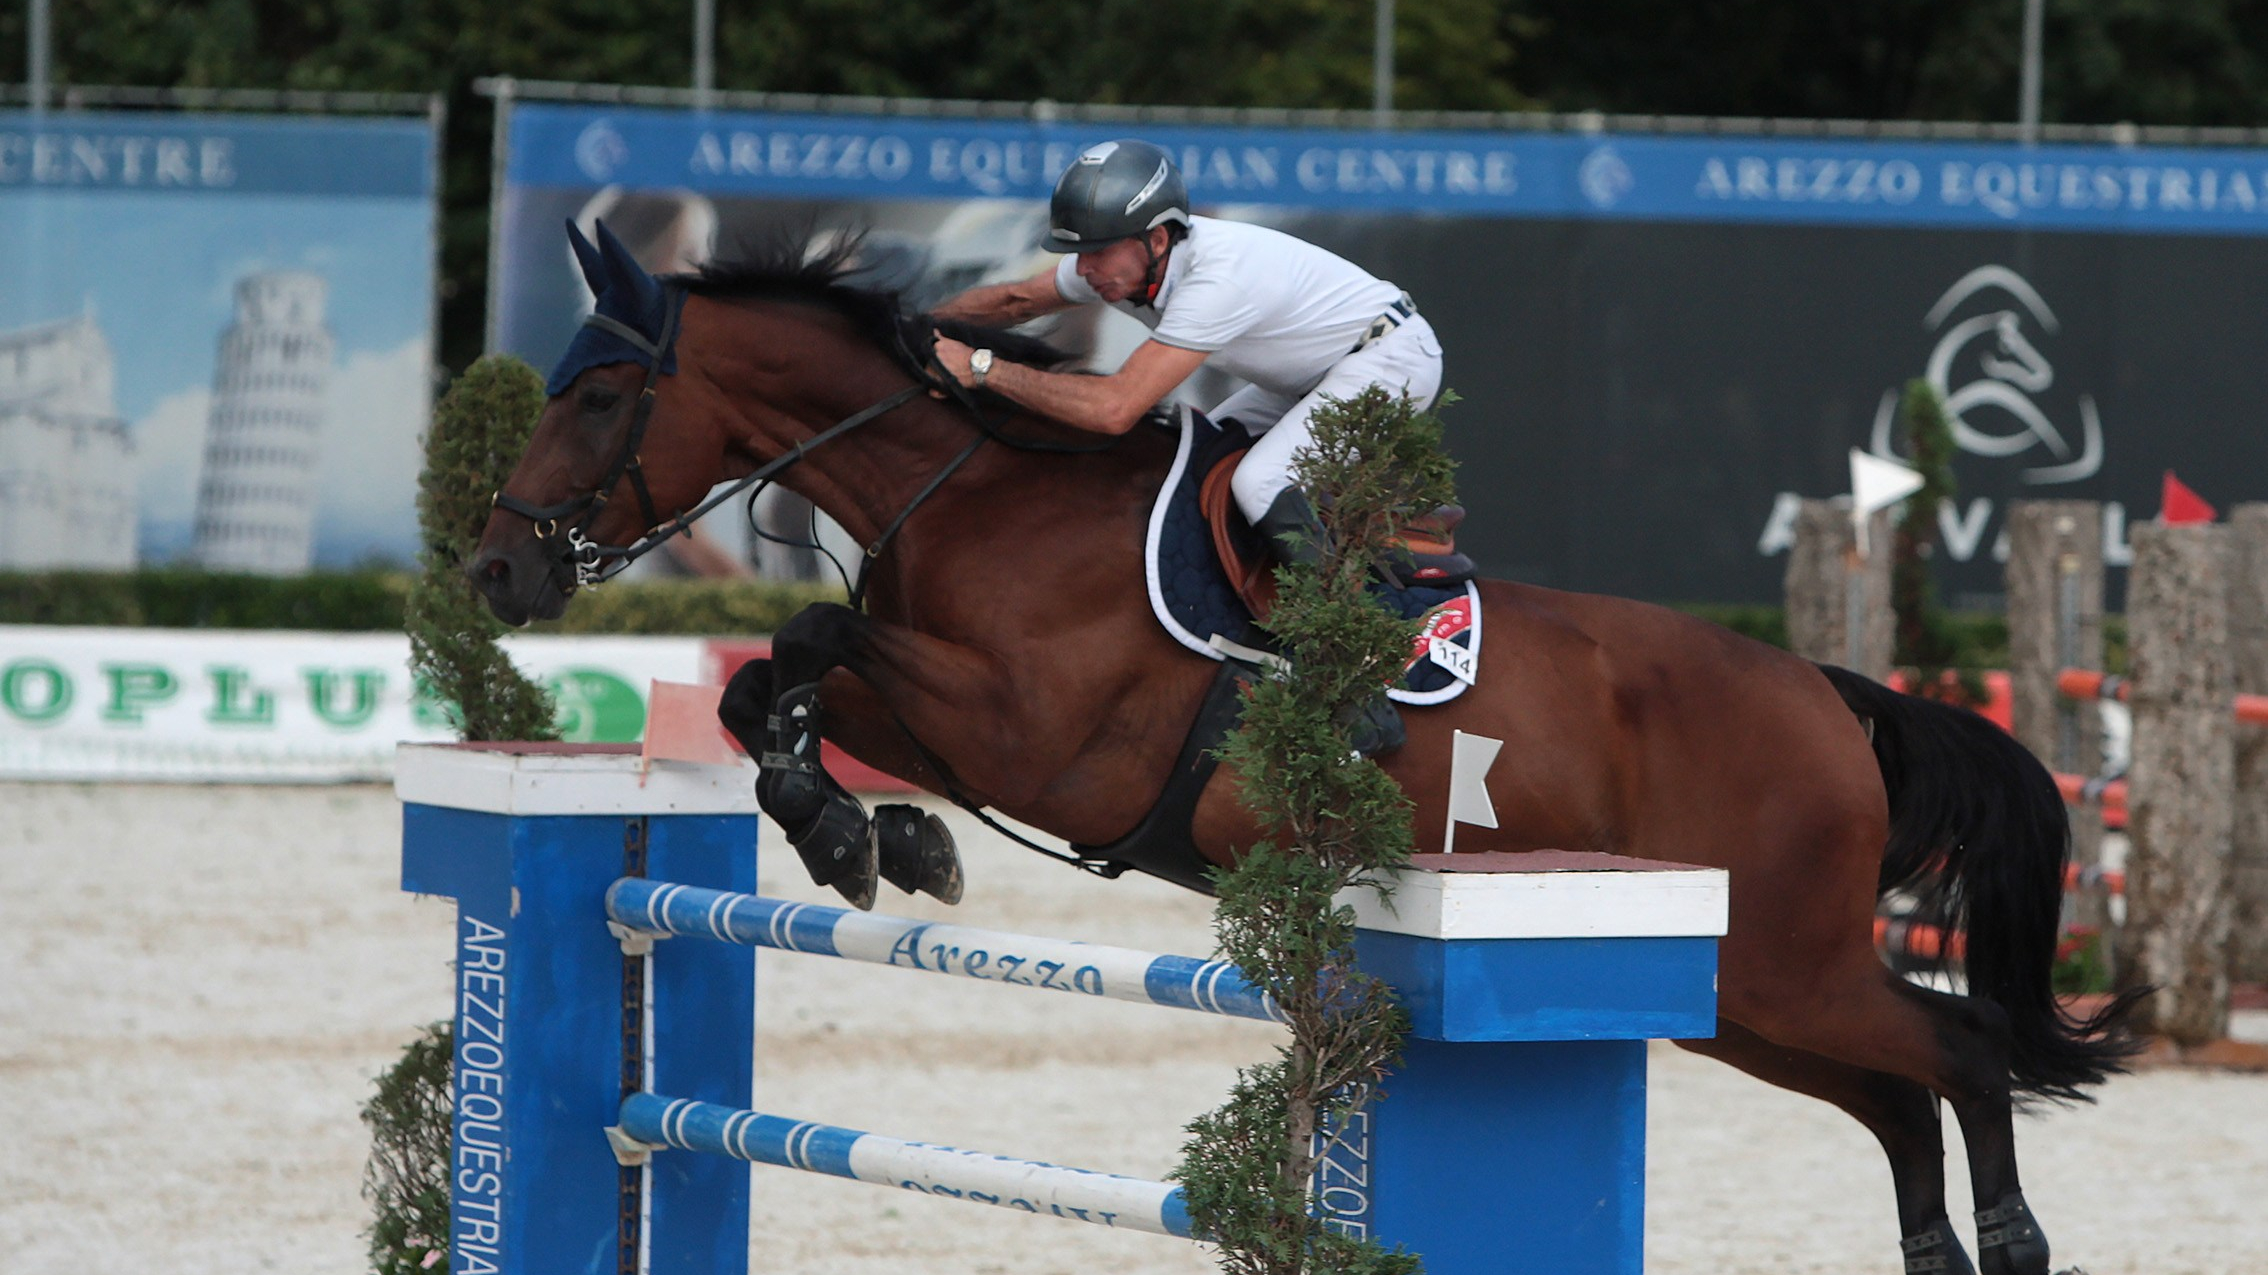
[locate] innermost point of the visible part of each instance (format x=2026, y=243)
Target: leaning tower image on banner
x=256, y=501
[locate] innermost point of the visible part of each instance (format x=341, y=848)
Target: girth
x=1164, y=843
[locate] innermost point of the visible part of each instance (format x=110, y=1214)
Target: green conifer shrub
x=480, y=427
x=1334, y=820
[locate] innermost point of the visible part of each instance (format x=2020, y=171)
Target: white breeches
x=1405, y=361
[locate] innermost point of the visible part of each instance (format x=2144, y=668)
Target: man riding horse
x=1297, y=323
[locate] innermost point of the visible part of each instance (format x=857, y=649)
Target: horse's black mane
x=794, y=269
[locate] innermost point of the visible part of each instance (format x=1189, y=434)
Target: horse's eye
x=598, y=398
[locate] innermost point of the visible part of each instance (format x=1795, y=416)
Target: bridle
x=581, y=561
x=584, y=561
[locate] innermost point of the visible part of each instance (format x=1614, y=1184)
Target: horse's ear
x=623, y=269
x=594, y=265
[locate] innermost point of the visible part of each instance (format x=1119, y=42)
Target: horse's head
x=593, y=478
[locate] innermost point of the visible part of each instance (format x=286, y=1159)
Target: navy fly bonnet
x=627, y=320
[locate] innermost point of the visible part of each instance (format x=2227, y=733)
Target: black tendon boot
x=827, y=826
x=2009, y=1238
x=1295, y=536
x=1935, y=1251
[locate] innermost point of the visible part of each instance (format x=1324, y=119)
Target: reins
x=590, y=563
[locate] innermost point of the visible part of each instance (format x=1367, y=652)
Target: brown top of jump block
x=1543, y=861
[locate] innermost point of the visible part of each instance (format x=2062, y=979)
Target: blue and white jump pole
x=602, y=1086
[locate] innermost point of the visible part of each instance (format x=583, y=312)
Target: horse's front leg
x=773, y=707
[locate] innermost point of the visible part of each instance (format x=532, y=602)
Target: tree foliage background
x=2195, y=62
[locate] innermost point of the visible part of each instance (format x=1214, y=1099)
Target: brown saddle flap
x=1253, y=575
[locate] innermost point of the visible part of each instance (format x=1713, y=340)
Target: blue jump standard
x=1512, y=1139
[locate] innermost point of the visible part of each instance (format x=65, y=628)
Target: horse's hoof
x=837, y=848
x=859, y=889
x=917, y=852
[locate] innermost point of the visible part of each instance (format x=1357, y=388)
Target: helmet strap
x=1153, y=276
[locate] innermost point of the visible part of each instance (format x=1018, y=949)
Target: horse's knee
x=822, y=625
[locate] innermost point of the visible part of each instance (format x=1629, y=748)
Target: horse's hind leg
x=1902, y=1116
x=1957, y=1046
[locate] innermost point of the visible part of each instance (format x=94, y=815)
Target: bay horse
x=1006, y=651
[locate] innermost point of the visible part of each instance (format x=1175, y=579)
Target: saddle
x=1425, y=553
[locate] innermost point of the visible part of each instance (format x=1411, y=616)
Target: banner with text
x=202, y=704
x=1659, y=341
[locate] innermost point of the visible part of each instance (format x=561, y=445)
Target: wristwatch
x=980, y=363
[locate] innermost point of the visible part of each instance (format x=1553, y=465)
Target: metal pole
x=704, y=49
x=1382, y=65
x=37, y=57
x=499, y=160
x=2028, y=109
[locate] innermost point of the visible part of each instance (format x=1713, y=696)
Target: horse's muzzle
x=519, y=583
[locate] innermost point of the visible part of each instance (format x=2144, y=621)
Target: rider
x=1297, y=323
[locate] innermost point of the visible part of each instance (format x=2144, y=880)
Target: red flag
x=2178, y=505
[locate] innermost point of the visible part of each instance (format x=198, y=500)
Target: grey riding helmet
x=1114, y=191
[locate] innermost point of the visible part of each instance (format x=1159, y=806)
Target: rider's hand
x=954, y=358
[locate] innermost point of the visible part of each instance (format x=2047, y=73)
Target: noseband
x=579, y=560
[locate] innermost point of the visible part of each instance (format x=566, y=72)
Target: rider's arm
x=1100, y=404
x=1003, y=305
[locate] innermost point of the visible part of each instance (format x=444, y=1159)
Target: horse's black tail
x=1978, y=830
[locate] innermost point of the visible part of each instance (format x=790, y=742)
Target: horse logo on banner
x=1993, y=412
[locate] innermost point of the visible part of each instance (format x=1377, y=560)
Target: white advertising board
x=220, y=705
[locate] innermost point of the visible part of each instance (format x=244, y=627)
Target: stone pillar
x=2248, y=660
x=2180, y=811
x=2055, y=621
x=1838, y=603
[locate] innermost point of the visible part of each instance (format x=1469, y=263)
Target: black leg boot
x=827, y=826
x=1295, y=535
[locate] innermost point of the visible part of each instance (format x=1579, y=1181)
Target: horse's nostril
x=496, y=569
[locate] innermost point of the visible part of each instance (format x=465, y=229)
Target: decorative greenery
x=407, y=1176
x=376, y=601
x=479, y=430
x=2082, y=963
x=706, y=607
x=1335, y=820
x=187, y=598
x=1922, y=637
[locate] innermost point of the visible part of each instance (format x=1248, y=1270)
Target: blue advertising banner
x=1659, y=341
x=216, y=338
x=1647, y=178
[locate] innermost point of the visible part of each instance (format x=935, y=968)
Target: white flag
x=1877, y=484
x=1470, y=756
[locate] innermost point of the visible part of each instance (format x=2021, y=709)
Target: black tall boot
x=1293, y=532
x=1295, y=536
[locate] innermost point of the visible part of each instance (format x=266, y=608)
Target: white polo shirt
x=1273, y=309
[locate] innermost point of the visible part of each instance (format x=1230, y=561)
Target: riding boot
x=1296, y=537
x=1294, y=534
